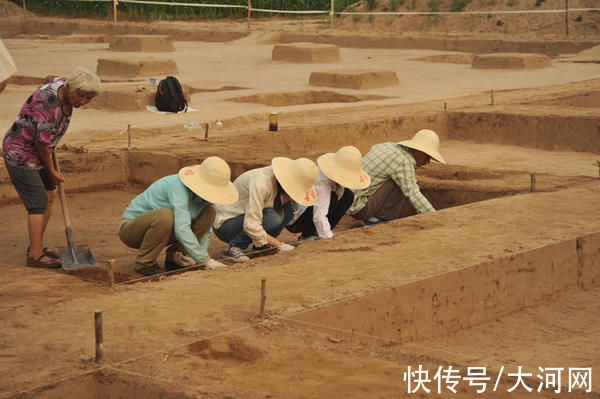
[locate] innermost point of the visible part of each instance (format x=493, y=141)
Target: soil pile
x=230, y=347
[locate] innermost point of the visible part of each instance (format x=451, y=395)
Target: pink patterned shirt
x=41, y=119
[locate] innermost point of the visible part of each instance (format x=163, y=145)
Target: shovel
x=71, y=257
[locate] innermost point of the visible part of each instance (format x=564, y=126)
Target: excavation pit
x=449, y=58
x=354, y=79
x=304, y=97
x=306, y=53
x=142, y=43
x=130, y=68
x=511, y=61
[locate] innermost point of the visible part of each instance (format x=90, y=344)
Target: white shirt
x=323, y=186
x=7, y=65
x=257, y=189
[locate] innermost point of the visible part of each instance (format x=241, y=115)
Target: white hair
x=84, y=80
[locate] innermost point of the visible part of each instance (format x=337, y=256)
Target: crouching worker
x=266, y=205
x=176, y=211
x=393, y=178
x=28, y=146
x=338, y=173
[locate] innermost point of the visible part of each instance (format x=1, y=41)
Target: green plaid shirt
x=390, y=161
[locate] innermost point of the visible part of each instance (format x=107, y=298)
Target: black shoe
x=149, y=271
x=171, y=265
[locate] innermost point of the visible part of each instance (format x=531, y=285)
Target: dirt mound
x=511, y=61
x=226, y=348
x=8, y=9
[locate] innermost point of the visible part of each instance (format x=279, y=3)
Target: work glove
x=213, y=264
x=285, y=247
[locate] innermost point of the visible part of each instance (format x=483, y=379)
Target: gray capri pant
x=31, y=185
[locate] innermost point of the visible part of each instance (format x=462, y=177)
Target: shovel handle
x=63, y=205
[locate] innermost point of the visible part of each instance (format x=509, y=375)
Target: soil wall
x=547, y=131
x=452, y=301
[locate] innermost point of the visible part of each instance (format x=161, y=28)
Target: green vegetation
x=434, y=6
x=394, y=5
x=512, y=3
x=162, y=12
x=499, y=22
x=458, y=5
x=371, y=18
x=413, y=4
x=539, y=2
x=371, y=4
x=579, y=18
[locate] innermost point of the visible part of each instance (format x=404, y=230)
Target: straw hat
x=343, y=167
x=210, y=180
x=426, y=141
x=297, y=177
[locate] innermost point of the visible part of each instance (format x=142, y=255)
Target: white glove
x=213, y=264
x=285, y=247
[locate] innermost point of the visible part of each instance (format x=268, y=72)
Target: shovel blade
x=83, y=257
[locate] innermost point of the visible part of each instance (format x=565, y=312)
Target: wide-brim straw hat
x=297, y=177
x=210, y=181
x=343, y=167
x=426, y=141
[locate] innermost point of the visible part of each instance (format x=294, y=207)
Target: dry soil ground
x=506, y=282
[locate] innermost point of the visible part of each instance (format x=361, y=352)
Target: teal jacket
x=169, y=192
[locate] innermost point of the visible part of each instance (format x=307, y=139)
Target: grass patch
x=458, y=5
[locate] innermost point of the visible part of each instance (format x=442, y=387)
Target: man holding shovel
x=393, y=179
x=28, y=146
x=177, y=210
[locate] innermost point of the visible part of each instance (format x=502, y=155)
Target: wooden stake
x=128, y=137
x=99, y=337
x=115, y=11
x=598, y=164
x=24, y=6
x=206, y=132
x=445, y=107
x=263, y=297
x=566, y=17
x=111, y=273
x=492, y=97
x=249, y=12
x=532, y=185
x=331, y=15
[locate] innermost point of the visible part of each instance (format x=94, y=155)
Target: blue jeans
x=232, y=231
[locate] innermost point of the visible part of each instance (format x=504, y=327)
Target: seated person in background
x=393, y=179
x=176, y=210
x=29, y=145
x=338, y=173
x=265, y=206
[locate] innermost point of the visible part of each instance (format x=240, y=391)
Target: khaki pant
x=152, y=231
x=387, y=203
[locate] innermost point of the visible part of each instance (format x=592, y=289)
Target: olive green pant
x=387, y=203
x=153, y=230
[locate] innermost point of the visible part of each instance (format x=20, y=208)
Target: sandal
x=48, y=264
x=47, y=252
